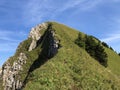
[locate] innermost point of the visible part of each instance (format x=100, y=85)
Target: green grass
x=1, y=84
x=113, y=62
x=72, y=68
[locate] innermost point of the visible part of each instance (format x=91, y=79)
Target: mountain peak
x=35, y=31
x=50, y=59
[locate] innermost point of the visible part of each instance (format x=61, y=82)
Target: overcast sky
x=100, y=18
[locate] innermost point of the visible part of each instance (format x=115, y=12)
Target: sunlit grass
x=72, y=68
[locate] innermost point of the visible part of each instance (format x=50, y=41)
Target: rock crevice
x=53, y=44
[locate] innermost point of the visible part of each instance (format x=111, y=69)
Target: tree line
x=93, y=47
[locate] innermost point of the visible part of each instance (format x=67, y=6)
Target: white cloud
x=112, y=38
x=114, y=41
x=70, y=4
x=35, y=10
x=8, y=47
x=114, y=34
x=10, y=35
x=88, y=4
x=9, y=40
x=113, y=27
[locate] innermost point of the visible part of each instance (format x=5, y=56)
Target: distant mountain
x=57, y=57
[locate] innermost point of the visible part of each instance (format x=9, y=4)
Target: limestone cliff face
x=10, y=72
x=35, y=35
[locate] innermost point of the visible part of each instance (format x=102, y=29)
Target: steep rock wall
x=53, y=44
x=10, y=73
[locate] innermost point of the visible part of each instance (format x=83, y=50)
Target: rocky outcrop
x=35, y=35
x=0, y=72
x=10, y=73
x=53, y=44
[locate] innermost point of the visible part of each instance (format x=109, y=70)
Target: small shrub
x=80, y=41
x=111, y=48
x=105, y=44
x=119, y=54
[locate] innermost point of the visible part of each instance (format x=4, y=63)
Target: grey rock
x=35, y=35
x=10, y=72
x=54, y=44
x=0, y=72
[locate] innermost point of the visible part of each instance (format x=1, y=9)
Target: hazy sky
x=100, y=18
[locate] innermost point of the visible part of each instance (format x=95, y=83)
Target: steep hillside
x=50, y=60
x=113, y=62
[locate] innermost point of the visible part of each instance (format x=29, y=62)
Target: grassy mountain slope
x=1, y=88
x=72, y=68
x=113, y=62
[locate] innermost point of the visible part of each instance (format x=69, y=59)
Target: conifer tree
x=80, y=41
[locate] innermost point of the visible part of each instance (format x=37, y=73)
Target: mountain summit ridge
x=49, y=59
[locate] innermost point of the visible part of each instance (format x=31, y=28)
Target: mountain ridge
x=50, y=59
